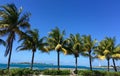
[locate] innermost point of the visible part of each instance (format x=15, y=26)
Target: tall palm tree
x=116, y=56
x=115, y=49
x=75, y=46
x=107, y=49
x=31, y=41
x=56, y=42
x=88, y=46
x=11, y=23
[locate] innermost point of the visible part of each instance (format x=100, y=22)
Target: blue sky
x=98, y=18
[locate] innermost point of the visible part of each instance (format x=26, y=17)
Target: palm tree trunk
x=33, y=53
x=9, y=59
x=58, y=53
x=10, y=44
x=108, y=64
x=114, y=64
x=90, y=60
x=75, y=65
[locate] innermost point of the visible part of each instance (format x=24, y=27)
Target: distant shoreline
x=30, y=63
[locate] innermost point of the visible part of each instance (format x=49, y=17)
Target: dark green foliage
x=19, y=72
x=29, y=72
x=85, y=73
x=56, y=72
x=97, y=73
x=15, y=72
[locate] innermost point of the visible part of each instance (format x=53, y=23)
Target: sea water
x=42, y=66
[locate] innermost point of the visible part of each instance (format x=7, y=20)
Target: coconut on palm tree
x=12, y=23
x=56, y=42
x=75, y=47
x=88, y=47
x=31, y=41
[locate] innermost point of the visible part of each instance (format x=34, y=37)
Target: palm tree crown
x=88, y=46
x=11, y=23
x=107, y=50
x=31, y=41
x=56, y=42
x=75, y=47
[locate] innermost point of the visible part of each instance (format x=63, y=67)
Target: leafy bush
x=85, y=73
x=56, y=72
x=97, y=73
x=37, y=72
x=15, y=72
x=29, y=72
x=1, y=72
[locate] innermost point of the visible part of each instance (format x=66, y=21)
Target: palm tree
x=75, y=46
x=88, y=46
x=56, y=41
x=12, y=23
x=114, y=51
x=31, y=41
x=107, y=49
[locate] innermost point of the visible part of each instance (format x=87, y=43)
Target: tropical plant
x=56, y=42
x=75, y=47
x=88, y=47
x=12, y=23
x=31, y=41
x=116, y=55
x=107, y=50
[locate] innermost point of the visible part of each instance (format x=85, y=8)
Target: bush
x=29, y=72
x=85, y=73
x=15, y=72
x=56, y=72
x=37, y=72
x=1, y=72
x=97, y=73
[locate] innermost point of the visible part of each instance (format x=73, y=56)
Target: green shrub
x=85, y=73
x=27, y=71
x=1, y=72
x=97, y=73
x=112, y=74
x=37, y=72
x=5, y=71
x=56, y=72
x=15, y=72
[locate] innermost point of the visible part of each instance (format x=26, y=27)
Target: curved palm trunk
x=114, y=64
x=58, y=59
x=33, y=53
x=108, y=60
x=10, y=44
x=90, y=60
x=9, y=59
x=75, y=65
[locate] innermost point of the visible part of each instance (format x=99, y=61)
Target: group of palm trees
x=12, y=23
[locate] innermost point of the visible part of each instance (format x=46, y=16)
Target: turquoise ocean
x=45, y=66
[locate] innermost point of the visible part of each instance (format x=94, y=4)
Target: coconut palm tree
x=75, y=47
x=31, y=41
x=56, y=42
x=107, y=49
x=12, y=23
x=88, y=46
x=115, y=49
